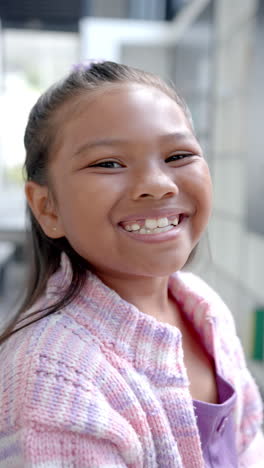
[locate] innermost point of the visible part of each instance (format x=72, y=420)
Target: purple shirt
x=215, y=423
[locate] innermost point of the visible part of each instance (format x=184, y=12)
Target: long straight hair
x=45, y=253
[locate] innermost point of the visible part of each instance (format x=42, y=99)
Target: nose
x=153, y=182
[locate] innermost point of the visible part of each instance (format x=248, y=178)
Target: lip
x=156, y=238
x=155, y=213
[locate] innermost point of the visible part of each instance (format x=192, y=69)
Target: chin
x=159, y=270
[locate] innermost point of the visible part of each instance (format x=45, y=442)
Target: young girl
x=117, y=358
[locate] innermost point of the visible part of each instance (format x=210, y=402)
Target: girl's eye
x=178, y=157
x=107, y=164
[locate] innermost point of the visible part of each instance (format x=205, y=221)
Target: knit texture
x=100, y=384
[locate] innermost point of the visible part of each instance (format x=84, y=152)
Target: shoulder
x=213, y=320
x=229, y=354
x=51, y=370
x=211, y=308
x=193, y=289
x=194, y=284
x=57, y=384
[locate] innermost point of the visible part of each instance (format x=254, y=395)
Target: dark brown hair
x=45, y=253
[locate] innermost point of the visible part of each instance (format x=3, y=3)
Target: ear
x=43, y=207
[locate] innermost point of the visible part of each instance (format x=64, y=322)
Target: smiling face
x=132, y=189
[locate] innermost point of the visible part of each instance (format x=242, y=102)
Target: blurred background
x=212, y=50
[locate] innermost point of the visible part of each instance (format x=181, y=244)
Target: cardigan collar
x=154, y=347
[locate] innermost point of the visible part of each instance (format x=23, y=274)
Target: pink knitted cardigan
x=100, y=384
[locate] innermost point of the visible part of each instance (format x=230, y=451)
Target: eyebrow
x=179, y=136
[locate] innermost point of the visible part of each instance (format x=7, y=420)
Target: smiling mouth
x=153, y=226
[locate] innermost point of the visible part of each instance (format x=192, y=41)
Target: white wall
x=238, y=255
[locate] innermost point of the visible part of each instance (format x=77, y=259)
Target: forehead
x=132, y=110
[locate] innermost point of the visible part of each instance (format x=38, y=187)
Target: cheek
x=208, y=190
x=200, y=192
x=198, y=185
x=86, y=206
x=203, y=186
x=204, y=202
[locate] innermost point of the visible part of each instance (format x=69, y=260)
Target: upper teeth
x=153, y=224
